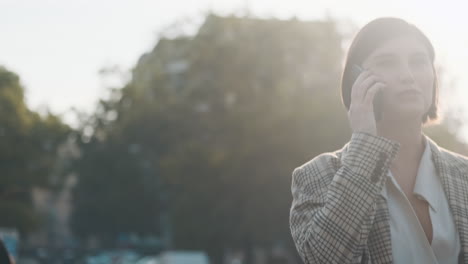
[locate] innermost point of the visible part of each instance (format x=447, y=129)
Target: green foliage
x=127, y=207
x=223, y=118
x=27, y=153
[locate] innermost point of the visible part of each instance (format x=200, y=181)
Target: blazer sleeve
x=330, y=219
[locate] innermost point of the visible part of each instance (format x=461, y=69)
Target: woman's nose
x=406, y=74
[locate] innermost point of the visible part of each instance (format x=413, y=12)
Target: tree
x=27, y=153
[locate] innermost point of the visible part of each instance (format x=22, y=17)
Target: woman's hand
x=361, y=110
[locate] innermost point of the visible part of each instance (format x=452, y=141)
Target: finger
x=356, y=91
x=361, y=86
x=372, y=91
x=364, y=74
x=368, y=83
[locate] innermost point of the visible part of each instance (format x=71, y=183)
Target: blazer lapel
x=455, y=184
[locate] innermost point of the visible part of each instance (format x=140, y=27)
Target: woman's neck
x=411, y=139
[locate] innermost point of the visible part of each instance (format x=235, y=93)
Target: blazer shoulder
x=311, y=180
x=454, y=159
x=323, y=163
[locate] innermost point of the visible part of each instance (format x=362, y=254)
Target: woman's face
x=404, y=65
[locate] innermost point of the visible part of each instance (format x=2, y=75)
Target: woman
x=391, y=195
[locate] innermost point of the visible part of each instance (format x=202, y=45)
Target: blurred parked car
x=184, y=257
x=149, y=260
x=114, y=257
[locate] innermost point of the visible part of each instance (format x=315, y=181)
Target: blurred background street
x=166, y=133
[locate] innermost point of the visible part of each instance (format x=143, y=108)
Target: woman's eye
x=419, y=61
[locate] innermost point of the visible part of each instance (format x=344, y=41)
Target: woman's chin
x=410, y=112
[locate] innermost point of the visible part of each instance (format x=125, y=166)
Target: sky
x=57, y=47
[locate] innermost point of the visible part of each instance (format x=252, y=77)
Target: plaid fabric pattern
x=338, y=214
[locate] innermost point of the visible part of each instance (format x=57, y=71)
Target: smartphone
x=356, y=71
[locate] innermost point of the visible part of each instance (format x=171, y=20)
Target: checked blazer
x=338, y=214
